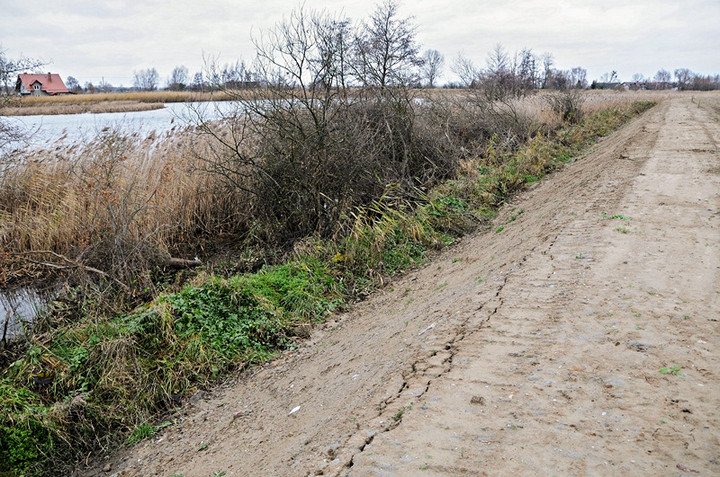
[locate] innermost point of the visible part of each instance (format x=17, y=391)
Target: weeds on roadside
x=606, y=216
x=674, y=370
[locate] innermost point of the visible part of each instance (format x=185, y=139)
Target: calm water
x=46, y=131
x=18, y=307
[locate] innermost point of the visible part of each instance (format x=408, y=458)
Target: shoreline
x=80, y=108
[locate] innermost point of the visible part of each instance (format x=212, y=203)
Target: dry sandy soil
x=534, y=351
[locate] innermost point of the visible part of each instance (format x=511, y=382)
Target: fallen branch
x=182, y=263
x=69, y=264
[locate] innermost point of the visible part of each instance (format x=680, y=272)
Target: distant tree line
x=687, y=80
x=684, y=80
x=504, y=74
x=516, y=75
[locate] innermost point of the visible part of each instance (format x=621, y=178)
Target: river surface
x=46, y=131
x=18, y=308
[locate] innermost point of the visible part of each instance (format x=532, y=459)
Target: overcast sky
x=91, y=40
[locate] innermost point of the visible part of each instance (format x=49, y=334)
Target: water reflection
x=18, y=309
x=47, y=131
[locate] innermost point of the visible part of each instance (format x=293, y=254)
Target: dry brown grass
x=80, y=108
x=114, y=102
x=117, y=204
x=135, y=96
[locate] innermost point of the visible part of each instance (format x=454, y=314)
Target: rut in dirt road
x=537, y=350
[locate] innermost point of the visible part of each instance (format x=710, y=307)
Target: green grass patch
x=607, y=216
x=674, y=370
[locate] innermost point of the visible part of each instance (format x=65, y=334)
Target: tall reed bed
x=138, y=96
x=80, y=107
x=107, y=102
x=117, y=204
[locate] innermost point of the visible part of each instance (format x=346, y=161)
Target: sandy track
x=532, y=351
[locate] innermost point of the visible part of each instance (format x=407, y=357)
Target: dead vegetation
x=108, y=106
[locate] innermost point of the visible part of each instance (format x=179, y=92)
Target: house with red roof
x=46, y=84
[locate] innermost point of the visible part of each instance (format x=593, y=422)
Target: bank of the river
x=80, y=108
x=89, y=381
x=582, y=339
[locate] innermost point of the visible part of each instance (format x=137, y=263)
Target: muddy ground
x=582, y=339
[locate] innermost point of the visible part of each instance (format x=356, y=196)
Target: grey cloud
x=115, y=37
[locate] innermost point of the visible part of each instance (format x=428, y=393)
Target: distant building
x=46, y=84
x=601, y=85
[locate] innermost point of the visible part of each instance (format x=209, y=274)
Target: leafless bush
x=336, y=124
x=568, y=105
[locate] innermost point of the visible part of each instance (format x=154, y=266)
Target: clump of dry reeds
x=114, y=204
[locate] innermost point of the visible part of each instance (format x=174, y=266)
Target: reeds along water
x=115, y=202
x=81, y=108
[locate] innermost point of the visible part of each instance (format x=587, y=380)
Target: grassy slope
x=87, y=383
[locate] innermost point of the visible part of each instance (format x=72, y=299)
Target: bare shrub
x=568, y=105
x=335, y=127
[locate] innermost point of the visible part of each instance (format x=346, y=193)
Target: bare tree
x=547, y=61
x=662, y=79
x=432, y=65
x=498, y=79
x=578, y=78
x=198, y=83
x=334, y=128
x=509, y=76
x=9, y=68
x=284, y=151
x=498, y=60
x=104, y=86
x=387, y=52
x=237, y=75
x=146, y=79
x=178, y=78
x=466, y=70
x=73, y=84
x=609, y=77
x=662, y=76
x=684, y=78
x=11, y=133
x=705, y=83
x=526, y=69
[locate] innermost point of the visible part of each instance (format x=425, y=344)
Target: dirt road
x=583, y=339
